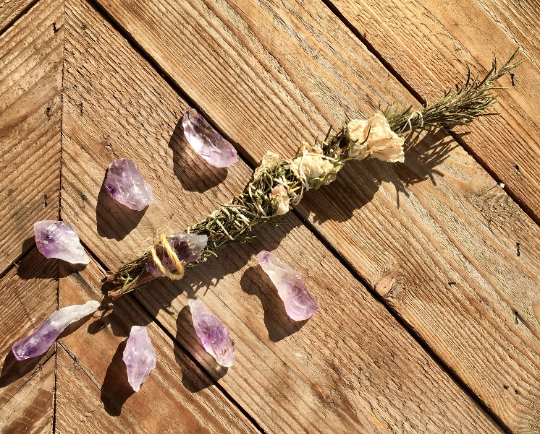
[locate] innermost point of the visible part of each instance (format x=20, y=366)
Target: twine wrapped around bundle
x=277, y=183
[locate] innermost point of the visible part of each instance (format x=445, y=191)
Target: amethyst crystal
x=299, y=303
x=188, y=248
x=139, y=357
x=126, y=185
x=55, y=239
x=214, y=336
x=43, y=337
x=206, y=141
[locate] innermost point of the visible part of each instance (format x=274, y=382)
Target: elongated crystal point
x=206, y=141
x=44, y=336
x=126, y=185
x=188, y=248
x=139, y=357
x=299, y=302
x=214, y=336
x=56, y=239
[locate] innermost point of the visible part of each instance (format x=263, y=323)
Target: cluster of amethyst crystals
x=126, y=185
x=44, y=336
x=214, y=336
x=300, y=304
x=188, y=248
x=206, y=141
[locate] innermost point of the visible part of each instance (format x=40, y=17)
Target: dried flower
x=374, y=138
x=281, y=197
x=311, y=163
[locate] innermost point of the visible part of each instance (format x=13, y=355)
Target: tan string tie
x=172, y=256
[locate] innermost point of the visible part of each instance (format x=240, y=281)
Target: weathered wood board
x=93, y=394
x=429, y=44
x=437, y=237
x=27, y=296
x=30, y=119
x=351, y=368
x=10, y=10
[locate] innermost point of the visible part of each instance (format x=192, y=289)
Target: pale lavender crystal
x=206, y=141
x=213, y=334
x=126, y=185
x=299, y=303
x=44, y=336
x=188, y=248
x=139, y=357
x=55, y=239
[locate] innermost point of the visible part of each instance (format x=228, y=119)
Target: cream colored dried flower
x=280, y=195
x=375, y=138
x=268, y=161
x=312, y=163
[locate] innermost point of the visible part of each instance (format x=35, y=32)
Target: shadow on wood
x=115, y=389
x=255, y=281
x=190, y=168
x=113, y=219
x=13, y=369
x=360, y=180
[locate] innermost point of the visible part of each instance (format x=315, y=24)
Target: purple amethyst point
x=206, y=141
x=299, y=302
x=139, y=357
x=56, y=239
x=214, y=336
x=44, y=336
x=126, y=185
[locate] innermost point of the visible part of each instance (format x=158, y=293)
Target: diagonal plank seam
x=363, y=39
x=170, y=81
x=16, y=18
x=179, y=345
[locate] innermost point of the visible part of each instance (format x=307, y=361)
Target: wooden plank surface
x=429, y=44
x=351, y=368
x=93, y=395
x=10, y=10
x=27, y=297
x=31, y=409
x=30, y=121
x=437, y=237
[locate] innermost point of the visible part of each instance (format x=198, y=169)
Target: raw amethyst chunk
x=188, y=248
x=126, y=185
x=206, y=141
x=139, y=357
x=212, y=333
x=55, y=239
x=44, y=336
x=299, y=303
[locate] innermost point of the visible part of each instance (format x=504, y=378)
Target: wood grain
x=270, y=74
x=177, y=397
x=10, y=10
x=352, y=368
x=31, y=409
x=27, y=298
x=430, y=45
x=30, y=121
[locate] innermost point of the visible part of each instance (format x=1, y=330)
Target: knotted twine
x=172, y=256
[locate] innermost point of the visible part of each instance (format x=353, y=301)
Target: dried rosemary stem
x=234, y=222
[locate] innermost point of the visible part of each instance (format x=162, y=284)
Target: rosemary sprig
x=455, y=107
x=234, y=222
